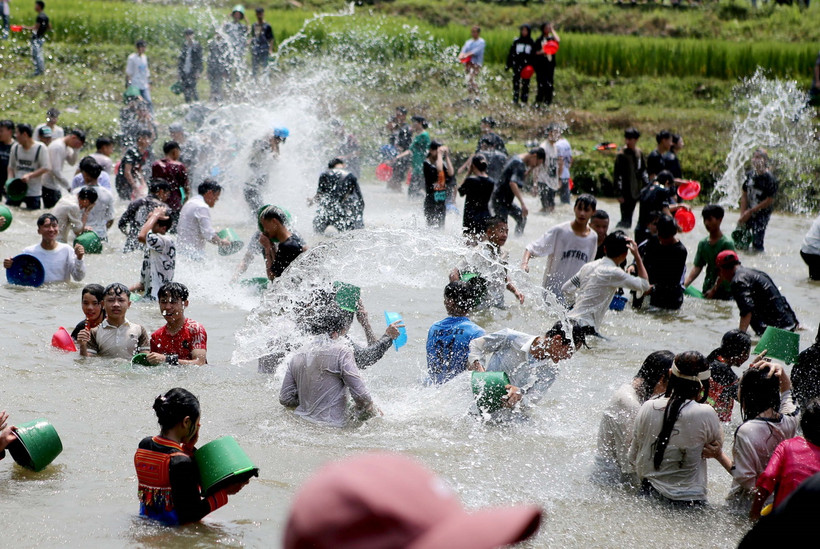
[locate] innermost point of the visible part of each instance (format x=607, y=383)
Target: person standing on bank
x=38, y=37
x=189, y=66
x=137, y=73
x=262, y=43
x=520, y=56
x=544, y=64
x=630, y=176
x=472, y=55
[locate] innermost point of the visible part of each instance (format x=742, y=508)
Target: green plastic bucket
x=90, y=241
x=259, y=282
x=38, y=445
x=488, y=388
x=742, y=237
x=235, y=243
x=347, y=296
x=16, y=188
x=693, y=292
x=5, y=213
x=780, y=344
x=222, y=463
x=478, y=284
x=141, y=359
x=176, y=88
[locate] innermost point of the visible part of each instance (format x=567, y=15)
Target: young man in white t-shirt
x=29, y=161
x=72, y=213
x=60, y=151
x=569, y=246
x=60, y=261
x=548, y=175
x=136, y=69
x=159, y=260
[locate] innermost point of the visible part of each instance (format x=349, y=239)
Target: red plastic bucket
x=527, y=72
x=689, y=190
x=551, y=47
x=62, y=340
x=685, y=219
x=384, y=171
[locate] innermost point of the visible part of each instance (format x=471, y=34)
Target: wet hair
x=174, y=406
x=667, y=228
x=88, y=193
x=539, y=153
x=272, y=212
x=90, y=166
x=157, y=185
x=655, y=368
x=632, y=133
x=435, y=145
x=104, y=141
x=493, y=222
x=46, y=217
x=167, y=223
x=144, y=133
x=79, y=134
x=323, y=315
x=169, y=146
x=480, y=162
x=525, y=26
x=486, y=140
x=665, y=178
x=460, y=294
x=600, y=214
x=25, y=128
x=806, y=375
x=758, y=392
x=810, y=422
x=208, y=185
x=421, y=120
x=140, y=43
x=679, y=391
x=94, y=289
x=663, y=134
x=335, y=162
x=615, y=244
x=174, y=290
x=579, y=333
x=118, y=288
x=654, y=216
x=734, y=343
x=713, y=211
x=586, y=201
x=8, y=124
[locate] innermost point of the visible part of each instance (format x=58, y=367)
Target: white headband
x=706, y=374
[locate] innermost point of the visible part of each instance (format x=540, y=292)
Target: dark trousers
x=547, y=196
x=259, y=62
x=813, y=262
x=546, y=76
x=757, y=225
x=627, y=209
x=50, y=197
x=522, y=87
x=32, y=202
x=189, y=87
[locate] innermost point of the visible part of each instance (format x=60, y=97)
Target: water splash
x=772, y=114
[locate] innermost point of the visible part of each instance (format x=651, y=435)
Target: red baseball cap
x=727, y=258
x=388, y=501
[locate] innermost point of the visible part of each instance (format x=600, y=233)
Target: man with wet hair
x=175, y=173
x=510, y=184
x=182, y=341
x=60, y=261
x=630, y=176
x=115, y=337
x=61, y=150
x=339, y=199
x=194, y=227
x=656, y=161
x=280, y=246
x=29, y=161
x=599, y=222
x=72, y=213
x=6, y=141
x=448, y=340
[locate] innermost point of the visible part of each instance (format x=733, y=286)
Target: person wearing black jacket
x=630, y=176
x=519, y=57
x=544, y=64
x=189, y=66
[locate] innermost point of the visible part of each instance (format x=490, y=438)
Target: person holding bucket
x=531, y=362
x=472, y=55
x=28, y=162
x=518, y=59
x=182, y=340
x=6, y=433
x=60, y=261
x=167, y=474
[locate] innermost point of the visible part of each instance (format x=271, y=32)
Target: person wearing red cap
x=392, y=502
x=760, y=302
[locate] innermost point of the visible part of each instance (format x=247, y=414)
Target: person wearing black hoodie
x=544, y=64
x=519, y=57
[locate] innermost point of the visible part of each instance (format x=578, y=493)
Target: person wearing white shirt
x=810, y=251
x=595, y=284
x=60, y=262
x=60, y=151
x=28, y=160
x=52, y=115
x=194, y=228
x=136, y=69
x=568, y=246
x=548, y=174
x=72, y=213
x=472, y=55
x=564, y=150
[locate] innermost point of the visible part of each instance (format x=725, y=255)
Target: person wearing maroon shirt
x=181, y=340
x=174, y=172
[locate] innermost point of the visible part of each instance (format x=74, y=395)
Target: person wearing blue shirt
x=448, y=341
x=472, y=55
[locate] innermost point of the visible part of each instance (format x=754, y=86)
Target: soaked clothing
x=654, y=198
x=665, y=265
x=755, y=442
x=135, y=159
x=477, y=191
x=448, y=345
x=754, y=292
x=435, y=198
x=630, y=176
x=758, y=187
x=158, y=262
x=370, y=354
x=488, y=261
x=176, y=174
x=567, y=253
x=615, y=434
x=286, y=253
x=793, y=461
x=722, y=389
x=495, y=141
x=123, y=341
x=496, y=160
x=706, y=256
x=317, y=381
x=514, y=171
x=191, y=336
x=135, y=217
x=806, y=375
x=168, y=480
x=60, y=264
x=656, y=163
x=419, y=149
x=340, y=201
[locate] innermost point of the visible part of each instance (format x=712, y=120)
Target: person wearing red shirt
x=176, y=174
x=182, y=340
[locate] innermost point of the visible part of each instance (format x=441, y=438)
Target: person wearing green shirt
x=708, y=250
x=418, y=149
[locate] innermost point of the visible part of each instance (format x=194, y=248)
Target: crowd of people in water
x=655, y=436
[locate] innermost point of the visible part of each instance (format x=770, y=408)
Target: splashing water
x=772, y=114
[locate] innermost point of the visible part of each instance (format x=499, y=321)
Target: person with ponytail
x=674, y=434
x=168, y=476
x=615, y=429
x=769, y=418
